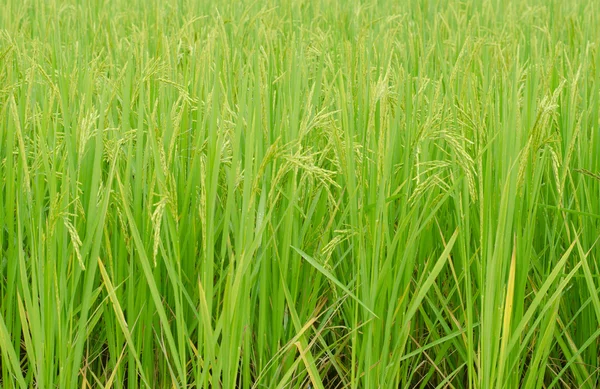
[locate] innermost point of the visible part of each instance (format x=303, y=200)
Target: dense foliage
x=299, y=194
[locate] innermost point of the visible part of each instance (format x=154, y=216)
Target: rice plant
x=299, y=194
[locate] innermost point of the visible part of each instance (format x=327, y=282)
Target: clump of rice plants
x=299, y=194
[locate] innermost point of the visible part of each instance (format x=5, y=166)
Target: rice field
x=299, y=194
